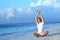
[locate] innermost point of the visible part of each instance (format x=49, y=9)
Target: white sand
x=28, y=36
x=54, y=34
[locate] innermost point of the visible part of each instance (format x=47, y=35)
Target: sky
x=24, y=11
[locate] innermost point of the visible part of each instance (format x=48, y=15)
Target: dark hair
x=40, y=19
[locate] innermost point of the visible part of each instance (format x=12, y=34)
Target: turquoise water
x=16, y=31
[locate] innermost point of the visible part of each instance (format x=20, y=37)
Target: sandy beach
x=54, y=34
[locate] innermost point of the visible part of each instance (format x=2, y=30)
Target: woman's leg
x=41, y=34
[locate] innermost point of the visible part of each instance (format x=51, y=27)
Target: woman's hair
x=40, y=19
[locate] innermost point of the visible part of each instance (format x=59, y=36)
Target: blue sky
x=15, y=3
x=18, y=11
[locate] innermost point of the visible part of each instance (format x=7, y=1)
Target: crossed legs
x=40, y=35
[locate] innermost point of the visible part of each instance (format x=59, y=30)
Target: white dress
x=40, y=27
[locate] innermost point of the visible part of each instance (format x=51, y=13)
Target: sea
x=9, y=31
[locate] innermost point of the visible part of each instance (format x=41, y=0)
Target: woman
x=40, y=23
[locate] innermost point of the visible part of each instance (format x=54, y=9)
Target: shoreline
x=52, y=35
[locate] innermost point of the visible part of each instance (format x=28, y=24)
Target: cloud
x=20, y=10
x=28, y=10
x=0, y=12
x=39, y=3
x=52, y=3
x=7, y=13
x=32, y=4
x=57, y=5
x=35, y=4
x=47, y=3
x=10, y=13
x=3, y=13
x=25, y=10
